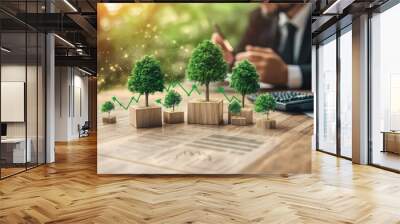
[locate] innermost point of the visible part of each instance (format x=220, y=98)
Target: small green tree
x=234, y=107
x=265, y=103
x=206, y=65
x=172, y=99
x=245, y=79
x=146, y=77
x=107, y=107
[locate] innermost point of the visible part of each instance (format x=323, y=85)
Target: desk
x=13, y=150
x=202, y=149
x=391, y=141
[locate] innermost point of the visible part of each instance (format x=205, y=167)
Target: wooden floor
x=70, y=191
x=386, y=159
x=203, y=149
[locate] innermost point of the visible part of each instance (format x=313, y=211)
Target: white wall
x=385, y=74
x=71, y=102
x=62, y=81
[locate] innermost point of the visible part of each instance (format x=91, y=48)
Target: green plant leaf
x=245, y=79
x=146, y=76
x=264, y=103
x=107, y=107
x=207, y=64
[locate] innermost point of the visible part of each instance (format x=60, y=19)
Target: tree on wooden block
x=206, y=65
x=265, y=103
x=146, y=78
x=171, y=100
x=245, y=79
x=107, y=107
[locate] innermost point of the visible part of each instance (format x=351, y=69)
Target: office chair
x=84, y=130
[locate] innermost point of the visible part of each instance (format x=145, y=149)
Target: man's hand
x=270, y=66
x=225, y=46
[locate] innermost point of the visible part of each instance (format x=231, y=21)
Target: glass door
x=22, y=91
x=326, y=106
x=14, y=153
x=385, y=89
x=345, y=93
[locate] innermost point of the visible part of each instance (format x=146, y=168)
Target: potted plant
x=245, y=80
x=234, y=117
x=171, y=100
x=265, y=103
x=206, y=65
x=107, y=107
x=146, y=78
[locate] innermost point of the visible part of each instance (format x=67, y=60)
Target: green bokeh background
x=169, y=31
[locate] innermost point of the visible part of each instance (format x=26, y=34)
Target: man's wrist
x=294, y=77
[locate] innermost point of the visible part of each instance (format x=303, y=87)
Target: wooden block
x=110, y=120
x=248, y=114
x=245, y=112
x=174, y=117
x=203, y=112
x=239, y=121
x=230, y=116
x=264, y=123
x=145, y=117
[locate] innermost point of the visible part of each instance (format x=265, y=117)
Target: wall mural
x=194, y=88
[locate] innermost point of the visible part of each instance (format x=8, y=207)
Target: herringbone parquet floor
x=69, y=191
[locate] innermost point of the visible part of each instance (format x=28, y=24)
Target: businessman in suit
x=278, y=42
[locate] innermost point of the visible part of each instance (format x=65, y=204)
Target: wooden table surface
x=203, y=149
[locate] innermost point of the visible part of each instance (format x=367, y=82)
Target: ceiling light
x=5, y=50
x=337, y=7
x=70, y=5
x=64, y=40
x=84, y=71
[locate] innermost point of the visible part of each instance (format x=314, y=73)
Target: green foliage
x=265, y=103
x=146, y=76
x=245, y=79
x=207, y=65
x=107, y=107
x=126, y=32
x=172, y=99
x=234, y=107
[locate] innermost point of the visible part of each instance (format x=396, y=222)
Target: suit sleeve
x=252, y=31
x=306, y=76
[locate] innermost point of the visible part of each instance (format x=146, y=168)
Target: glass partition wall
x=326, y=106
x=334, y=104
x=385, y=89
x=345, y=92
x=22, y=77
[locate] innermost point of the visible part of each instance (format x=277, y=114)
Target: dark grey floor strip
x=224, y=146
x=235, y=138
x=197, y=146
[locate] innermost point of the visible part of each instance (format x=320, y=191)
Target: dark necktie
x=288, y=50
